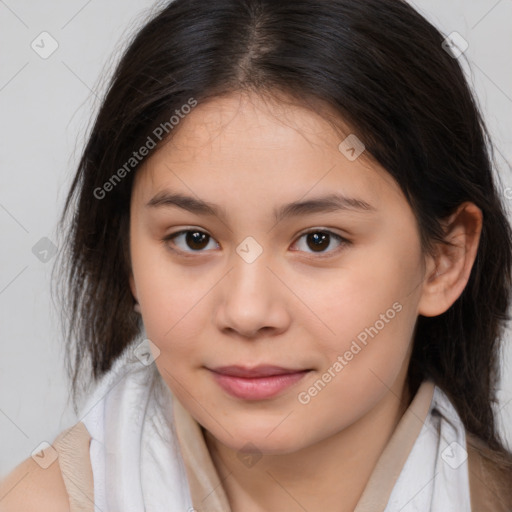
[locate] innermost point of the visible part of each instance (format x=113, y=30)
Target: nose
x=254, y=300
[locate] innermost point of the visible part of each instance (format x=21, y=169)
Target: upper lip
x=255, y=371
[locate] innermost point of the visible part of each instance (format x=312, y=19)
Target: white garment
x=137, y=464
x=435, y=476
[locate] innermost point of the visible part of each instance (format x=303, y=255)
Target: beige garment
x=72, y=446
x=206, y=488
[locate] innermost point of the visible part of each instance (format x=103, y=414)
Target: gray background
x=46, y=105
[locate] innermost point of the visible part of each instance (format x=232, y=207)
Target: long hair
x=385, y=71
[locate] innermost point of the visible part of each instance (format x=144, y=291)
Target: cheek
x=371, y=296
x=170, y=296
x=371, y=310
x=361, y=362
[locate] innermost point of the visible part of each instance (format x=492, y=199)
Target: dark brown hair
x=382, y=67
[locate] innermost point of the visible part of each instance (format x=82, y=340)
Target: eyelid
x=168, y=238
x=342, y=240
x=327, y=254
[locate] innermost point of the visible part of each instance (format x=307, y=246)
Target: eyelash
x=343, y=241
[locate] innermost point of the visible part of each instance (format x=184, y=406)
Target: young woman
x=289, y=267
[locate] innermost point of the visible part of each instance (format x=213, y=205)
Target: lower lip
x=257, y=388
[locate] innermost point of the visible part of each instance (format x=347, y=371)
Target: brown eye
x=318, y=241
x=188, y=241
x=192, y=239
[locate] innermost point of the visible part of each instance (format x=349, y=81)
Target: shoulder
x=42, y=485
x=29, y=487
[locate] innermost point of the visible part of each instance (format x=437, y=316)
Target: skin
x=288, y=307
x=293, y=306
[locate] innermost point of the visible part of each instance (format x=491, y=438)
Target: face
x=277, y=325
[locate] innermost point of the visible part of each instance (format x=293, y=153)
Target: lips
x=256, y=383
x=255, y=372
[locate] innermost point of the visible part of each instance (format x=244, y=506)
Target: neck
x=329, y=475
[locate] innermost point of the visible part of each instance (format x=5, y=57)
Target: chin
x=257, y=439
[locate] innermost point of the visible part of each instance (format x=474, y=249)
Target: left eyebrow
x=329, y=203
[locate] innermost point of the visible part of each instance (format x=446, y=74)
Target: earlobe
x=136, y=306
x=450, y=268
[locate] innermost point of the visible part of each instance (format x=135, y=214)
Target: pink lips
x=256, y=383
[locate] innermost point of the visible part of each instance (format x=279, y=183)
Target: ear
x=450, y=268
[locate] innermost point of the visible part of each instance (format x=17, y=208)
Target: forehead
x=260, y=146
